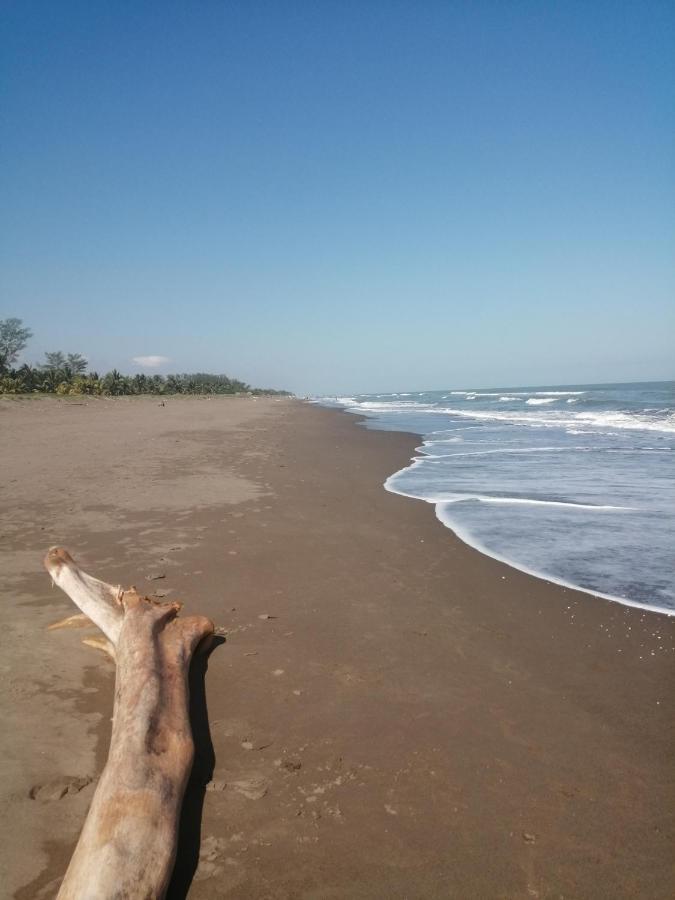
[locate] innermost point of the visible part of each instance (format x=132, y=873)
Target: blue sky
x=337, y=196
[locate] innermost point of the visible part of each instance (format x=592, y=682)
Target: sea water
x=575, y=484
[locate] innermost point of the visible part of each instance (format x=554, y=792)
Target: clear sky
x=343, y=196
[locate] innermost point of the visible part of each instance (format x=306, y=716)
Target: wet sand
x=392, y=713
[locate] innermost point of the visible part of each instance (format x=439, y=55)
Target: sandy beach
x=392, y=714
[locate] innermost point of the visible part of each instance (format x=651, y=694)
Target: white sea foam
x=519, y=450
x=479, y=393
x=554, y=419
x=515, y=450
x=455, y=440
x=445, y=504
x=443, y=514
x=456, y=428
x=331, y=401
x=394, y=405
x=627, y=420
x=528, y=501
x=558, y=393
x=484, y=394
x=458, y=497
x=620, y=420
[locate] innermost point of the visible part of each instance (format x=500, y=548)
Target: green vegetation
x=66, y=374
x=13, y=338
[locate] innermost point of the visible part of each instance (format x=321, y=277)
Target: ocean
x=575, y=484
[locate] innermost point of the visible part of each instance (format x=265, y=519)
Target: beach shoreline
x=412, y=718
x=579, y=495
x=470, y=541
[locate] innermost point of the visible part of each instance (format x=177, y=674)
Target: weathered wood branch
x=128, y=844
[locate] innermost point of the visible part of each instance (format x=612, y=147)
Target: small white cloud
x=150, y=362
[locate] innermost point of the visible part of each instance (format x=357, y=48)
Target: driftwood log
x=127, y=847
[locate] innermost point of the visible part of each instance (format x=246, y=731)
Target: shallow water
x=576, y=484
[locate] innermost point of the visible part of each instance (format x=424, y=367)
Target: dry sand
x=393, y=715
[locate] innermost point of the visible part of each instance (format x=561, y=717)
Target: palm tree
x=76, y=363
x=28, y=377
x=174, y=384
x=113, y=383
x=157, y=384
x=140, y=383
x=51, y=379
x=55, y=361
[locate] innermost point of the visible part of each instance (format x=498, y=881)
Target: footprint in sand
x=251, y=788
x=212, y=862
x=209, y=856
x=57, y=788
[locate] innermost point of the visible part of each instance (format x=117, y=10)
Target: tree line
x=66, y=374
